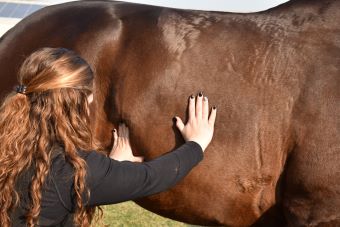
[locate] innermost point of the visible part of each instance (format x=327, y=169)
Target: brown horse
x=274, y=76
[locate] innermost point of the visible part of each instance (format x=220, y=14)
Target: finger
x=118, y=142
x=179, y=124
x=115, y=136
x=127, y=132
x=138, y=159
x=205, y=114
x=123, y=127
x=212, y=117
x=192, y=113
x=199, y=105
x=120, y=130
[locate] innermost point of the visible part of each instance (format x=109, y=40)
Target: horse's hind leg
x=312, y=183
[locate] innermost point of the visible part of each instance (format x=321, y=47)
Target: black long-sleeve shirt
x=108, y=180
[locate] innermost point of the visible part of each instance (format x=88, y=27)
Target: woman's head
x=58, y=85
x=50, y=69
x=53, y=108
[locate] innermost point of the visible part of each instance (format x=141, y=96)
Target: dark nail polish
x=114, y=130
x=200, y=94
x=214, y=108
x=174, y=120
x=192, y=96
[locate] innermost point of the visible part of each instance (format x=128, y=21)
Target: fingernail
x=205, y=98
x=114, y=130
x=200, y=94
x=192, y=96
x=214, y=107
x=174, y=119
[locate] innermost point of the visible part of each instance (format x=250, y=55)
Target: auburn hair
x=54, y=108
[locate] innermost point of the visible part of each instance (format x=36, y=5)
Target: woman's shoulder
x=97, y=163
x=58, y=152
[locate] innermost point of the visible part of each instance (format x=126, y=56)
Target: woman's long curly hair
x=54, y=109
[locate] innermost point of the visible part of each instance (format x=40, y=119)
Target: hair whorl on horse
x=54, y=108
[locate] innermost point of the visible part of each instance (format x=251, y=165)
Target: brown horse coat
x=274, y=76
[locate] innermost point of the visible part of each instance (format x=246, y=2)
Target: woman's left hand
x=121, y=150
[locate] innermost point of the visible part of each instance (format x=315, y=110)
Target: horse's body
x=274, y=77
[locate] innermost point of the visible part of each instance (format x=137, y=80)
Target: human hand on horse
x=121, y=150
x=200, y=125
x=199, y=128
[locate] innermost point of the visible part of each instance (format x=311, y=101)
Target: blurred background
x=11, y=12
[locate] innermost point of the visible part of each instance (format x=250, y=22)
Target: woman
x=50, y=165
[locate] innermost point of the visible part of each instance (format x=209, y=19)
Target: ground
x=130, y=214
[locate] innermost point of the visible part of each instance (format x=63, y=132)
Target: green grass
x=130, y=214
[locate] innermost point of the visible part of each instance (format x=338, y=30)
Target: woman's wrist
x=197, y=144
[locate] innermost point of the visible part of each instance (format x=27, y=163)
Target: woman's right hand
x=200, y=126
x=121, y=150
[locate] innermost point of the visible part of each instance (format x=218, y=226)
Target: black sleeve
x=111, y=181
